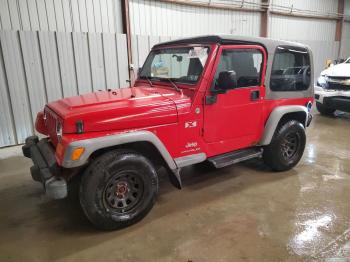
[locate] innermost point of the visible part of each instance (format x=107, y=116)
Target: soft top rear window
x=291, y=69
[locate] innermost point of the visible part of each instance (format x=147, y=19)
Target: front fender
x=275, y=118
x=94, y=144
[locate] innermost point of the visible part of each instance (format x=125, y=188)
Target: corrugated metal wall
x=156, y=18
x=61, y=15
x=345, y=45
x=324, y=6
x=51, y=49
x=288, y=28
x=37, y=67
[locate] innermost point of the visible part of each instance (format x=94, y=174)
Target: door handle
x=255, y=95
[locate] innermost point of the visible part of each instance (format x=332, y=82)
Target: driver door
x=234, y=120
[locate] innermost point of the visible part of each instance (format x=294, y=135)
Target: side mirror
x=178, y=57
x=227, y=80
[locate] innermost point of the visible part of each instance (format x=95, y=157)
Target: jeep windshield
x=181, y=64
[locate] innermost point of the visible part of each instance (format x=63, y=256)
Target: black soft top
x=268, y=43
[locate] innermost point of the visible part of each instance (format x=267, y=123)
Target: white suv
x=332, y=91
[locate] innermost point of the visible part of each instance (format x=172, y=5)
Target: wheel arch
x=281, y=114
x=145, y=148
x=142, y=141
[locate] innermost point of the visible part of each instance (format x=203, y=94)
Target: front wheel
x=118, y=189
x=287, y=146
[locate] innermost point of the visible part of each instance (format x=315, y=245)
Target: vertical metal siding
x=67, y=64
x=122, y=58
x=61, y=15
x=82, y=61
x=288, y=28
x=110, y=58
x=345, y=45
x=5, y=14
x=51, y=69
x=17, y=86
x=14, y=15
x=37, y=67
x=149, y=17
x=42, y=15
x=97, y=63
x=33, y=15
x=7, y=131
x=347, y=8
x=33, y=70
x=324, y=6
x=51, y=16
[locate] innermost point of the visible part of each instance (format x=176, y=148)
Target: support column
x=339, y=25
x=127, y=32
x=264, y=20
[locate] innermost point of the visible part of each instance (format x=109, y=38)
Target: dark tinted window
x=245, y=62
x=290, y=69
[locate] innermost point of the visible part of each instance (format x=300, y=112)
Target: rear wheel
x=118, y=189
x=287, y=146
x=324, y=110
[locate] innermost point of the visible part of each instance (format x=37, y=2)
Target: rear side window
x=291, y=69
x=246, y=63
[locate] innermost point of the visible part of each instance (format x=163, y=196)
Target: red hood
x=120, y=109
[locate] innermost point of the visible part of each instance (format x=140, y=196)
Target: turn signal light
x=77, y=152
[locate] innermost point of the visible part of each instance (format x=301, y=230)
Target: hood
x=338, y=70
x=120, y=109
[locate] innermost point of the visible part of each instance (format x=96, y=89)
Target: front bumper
x=336, y=99
x=338, y=103
x=45, y=168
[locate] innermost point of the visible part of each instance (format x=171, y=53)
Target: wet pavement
x=240, y=213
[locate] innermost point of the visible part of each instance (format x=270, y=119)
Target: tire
x=324, y=110
x=118, y=189
x=287, y=146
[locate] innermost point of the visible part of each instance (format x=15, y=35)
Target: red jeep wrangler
x=220, y=99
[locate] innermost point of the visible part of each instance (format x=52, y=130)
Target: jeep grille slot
x=50, y=123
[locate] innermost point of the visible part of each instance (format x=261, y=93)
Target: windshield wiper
x=149, y=81
x=173, y=84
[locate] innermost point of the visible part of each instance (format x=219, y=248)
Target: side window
x=290, y=69
x=246, y=63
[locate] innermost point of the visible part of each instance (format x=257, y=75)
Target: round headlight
x=59, y=130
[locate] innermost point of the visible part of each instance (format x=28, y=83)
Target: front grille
x=338, y=83
x=338, y=86
x=50, y=122
x=335, y=78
